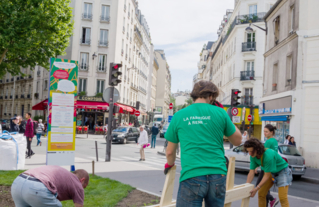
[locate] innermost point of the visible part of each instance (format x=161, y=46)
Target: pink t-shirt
x=59, y=180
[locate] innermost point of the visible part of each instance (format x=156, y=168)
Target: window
x=12, y=91
x=99, y=86
x=275, y=77
x=86, y=36
x=250, y=66
x=28, y=107
x=289, y=70
x=16, y=111
x=37, y=90
x=251, y=37
x=103, y=37
x=102, y=63
x=248, y=92
x=84, y=64
x=45, y=85
x=123, y=25
x=29, y=90
x=87, y=13
x=292, y=18
x=82, y=85
x=105, y=14
x=252, y=10
x=277, y=29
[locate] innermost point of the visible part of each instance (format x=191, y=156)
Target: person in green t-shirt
x=271, y=143
x=200, y=128
x=274, y=166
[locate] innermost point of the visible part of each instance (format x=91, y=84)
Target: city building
x=163, y=85
x=203, y=62
x=290, y=81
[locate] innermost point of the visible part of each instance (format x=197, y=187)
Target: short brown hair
x=204, y=89
x=256, y=145
x=82, y=174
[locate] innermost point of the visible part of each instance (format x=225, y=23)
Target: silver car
x=288, y=152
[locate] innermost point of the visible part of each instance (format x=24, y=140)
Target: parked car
x=5, y=124
x=147, y=129
x=163, y=131
x=124, y=134
x=288, y=152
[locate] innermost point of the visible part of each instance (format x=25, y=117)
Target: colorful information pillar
x=62, y=112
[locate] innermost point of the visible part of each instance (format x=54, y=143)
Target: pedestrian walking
x=40, y=130
x=200, y=128
x=244, y=137
x=142, y=141
x=22, y=125
x=292, y=141
x=155, y=131
x=287, y=139
x=48, y=185
x=275, y=168
x=29, y=133
x=271, y=143
x=14, y=126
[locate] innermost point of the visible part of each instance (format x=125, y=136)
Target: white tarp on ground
x=11, y=156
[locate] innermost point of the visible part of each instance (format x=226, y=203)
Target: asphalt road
x=152, y=180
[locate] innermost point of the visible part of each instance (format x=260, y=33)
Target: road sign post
x=250, y=118
x=137, y=113
x=109, y=130
x=171, y=106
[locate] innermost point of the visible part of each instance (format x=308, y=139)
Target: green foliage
x=189, y=101
x=31, y=32
x=36, y=118
x=82, y=93
x=99, y=95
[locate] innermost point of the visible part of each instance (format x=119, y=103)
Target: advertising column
x=62, y=112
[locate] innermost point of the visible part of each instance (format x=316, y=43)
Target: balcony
x=85, y=41
x=105, y=19
x=84, y=67
x=86, y=16
x=247, y=100
x=103, y=43
x=122, y=52
x=247, y=75
x=101, y=69
x=248, y=46
x=251, y=18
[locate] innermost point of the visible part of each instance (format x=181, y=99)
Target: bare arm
x=78, y=205
x=171, y=153
x=250, y=176
x=235, y=138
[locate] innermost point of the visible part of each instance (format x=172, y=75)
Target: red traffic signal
x=234, y=97
x=114, y=74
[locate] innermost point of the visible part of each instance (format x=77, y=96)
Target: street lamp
x=250, y=30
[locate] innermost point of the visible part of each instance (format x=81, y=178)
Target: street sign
x=171, y=106
x=170, y=119
x=249, y=117
x=106, y=95
x=234, y=111
x=137, y=113
x=236, y=119
x=170, y=112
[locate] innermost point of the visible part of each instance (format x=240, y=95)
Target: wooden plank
x=230, y=180
x=245, y=202
x=238, y=193
x=167, y=193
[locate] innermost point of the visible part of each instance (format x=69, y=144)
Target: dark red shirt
x=29, y=129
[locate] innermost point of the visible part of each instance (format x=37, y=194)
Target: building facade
x=291, y=79
x=163, y=85
x=202, y=64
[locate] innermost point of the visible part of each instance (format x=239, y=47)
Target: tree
x=189, y=101
x=31, y=32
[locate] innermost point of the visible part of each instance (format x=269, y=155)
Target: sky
x=181, y=28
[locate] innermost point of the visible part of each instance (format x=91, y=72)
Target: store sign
x=277, y=111
x=236, y=119
x=261, y=108
x=90, y=98
x=62, y=112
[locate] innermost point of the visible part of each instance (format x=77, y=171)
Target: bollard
x=72, y=168
x=93, y=167
x=96, y=152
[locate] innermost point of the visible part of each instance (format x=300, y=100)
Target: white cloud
x=181, y=28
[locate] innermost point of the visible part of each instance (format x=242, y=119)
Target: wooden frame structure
x=233, y=193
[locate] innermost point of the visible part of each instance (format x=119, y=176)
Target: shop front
x=277, y=112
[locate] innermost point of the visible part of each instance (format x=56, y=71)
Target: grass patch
x=7, y=177
x=103, y=192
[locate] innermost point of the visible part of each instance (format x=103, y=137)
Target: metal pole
x=14, y=90
x=96, y=152
x=109, y=131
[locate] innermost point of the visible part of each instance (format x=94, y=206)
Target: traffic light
x=116, y=109
x=114, y=74
x=235, y=97
x=137, y=105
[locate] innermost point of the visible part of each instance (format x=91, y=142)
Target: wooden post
x=167, y=194
x=230, y=176
x=93, y=167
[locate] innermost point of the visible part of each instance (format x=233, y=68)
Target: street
x=148, y=176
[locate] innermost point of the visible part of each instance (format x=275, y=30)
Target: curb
x=309, y=180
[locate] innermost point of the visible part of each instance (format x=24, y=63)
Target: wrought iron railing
x=87, y=16
x=105, y=18
x=101, y=69
x=247, y=100
x=85, y=41
x=104, y=43
x=247, y=75
x=248, y=46
x=84, y=66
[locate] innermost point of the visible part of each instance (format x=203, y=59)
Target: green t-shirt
x=200, y=129
x=272, y=162
x=272, y=144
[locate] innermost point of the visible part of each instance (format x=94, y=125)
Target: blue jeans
x=283, y=178
x=27, y=193
x=38, y=138
x=153, y=143
x=211, y=188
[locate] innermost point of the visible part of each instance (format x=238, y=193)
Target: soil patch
x=5, y=196
x=138, y=198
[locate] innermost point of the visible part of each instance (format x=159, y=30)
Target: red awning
x=80, y=105
x=41, y=106
x=124, y=108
